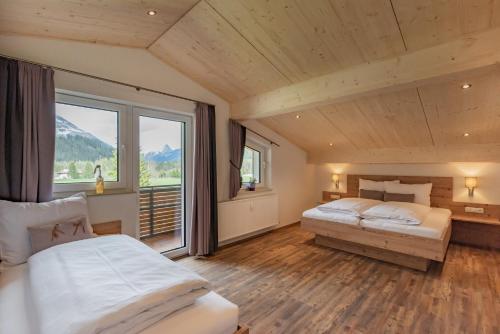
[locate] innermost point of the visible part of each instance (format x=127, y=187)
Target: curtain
x=237, y=138
x=27, y=131
x=204, y=229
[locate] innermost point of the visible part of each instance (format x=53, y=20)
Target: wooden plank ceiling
x=424, y=124
x=243, y=48
x=116, y=22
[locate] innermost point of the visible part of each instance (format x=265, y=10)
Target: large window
x=87, y=135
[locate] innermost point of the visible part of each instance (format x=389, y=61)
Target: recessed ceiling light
x=297, y=116
x=331, y=144
x=466, y=85
x=151, y=12
x=466, y=134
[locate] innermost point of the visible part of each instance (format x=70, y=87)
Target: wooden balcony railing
x=160, y=210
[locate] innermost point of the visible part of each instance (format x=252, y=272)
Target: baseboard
x=245, y=236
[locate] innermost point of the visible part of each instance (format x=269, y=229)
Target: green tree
x=175, y=173
x=73, y=172
x=144, y=173
x=88, y=170
x=110, y=167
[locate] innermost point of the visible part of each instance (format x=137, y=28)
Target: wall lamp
x=336, y=180
x=471, y=184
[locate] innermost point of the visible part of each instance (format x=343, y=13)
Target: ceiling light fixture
x=466, y=85
x=151, y=12
x=331, y=144
x=297, y=116
x=466, y=134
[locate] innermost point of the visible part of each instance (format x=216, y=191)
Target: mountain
x=71, y=142
x=166, y=155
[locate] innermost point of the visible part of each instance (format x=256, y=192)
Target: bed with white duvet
x=408, y=234
x=112, y=284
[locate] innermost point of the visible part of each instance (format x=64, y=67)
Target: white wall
x=487, y=192
x=291, y=174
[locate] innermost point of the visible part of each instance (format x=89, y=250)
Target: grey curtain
x=27, y=131
x=237, y=138
x=204, y=229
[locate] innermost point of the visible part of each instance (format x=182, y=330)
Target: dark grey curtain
x=237, y=138
x=27, y=131
x=204, y=228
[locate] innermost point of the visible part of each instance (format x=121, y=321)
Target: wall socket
x=474, y=209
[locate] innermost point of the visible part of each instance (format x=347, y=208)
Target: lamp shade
x=335, y=177
x=471, y=182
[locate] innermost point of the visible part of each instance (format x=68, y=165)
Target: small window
x=87, y=135
x=251, y=167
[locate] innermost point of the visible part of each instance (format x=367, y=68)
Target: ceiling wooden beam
x=409, y=70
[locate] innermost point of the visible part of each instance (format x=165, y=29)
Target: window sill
x=259, y=192
x=92, y=193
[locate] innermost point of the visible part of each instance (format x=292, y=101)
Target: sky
x=154, y=133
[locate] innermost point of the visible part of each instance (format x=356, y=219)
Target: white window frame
x=121, y=109
x=264, y=148
x=188, y=155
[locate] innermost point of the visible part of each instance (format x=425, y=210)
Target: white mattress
x=211, y=314
x=341, y=218
x=434, y=226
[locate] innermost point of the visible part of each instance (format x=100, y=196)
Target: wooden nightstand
x=112, y=227
x=475, y=231
x=328, y=196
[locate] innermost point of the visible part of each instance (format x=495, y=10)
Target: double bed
x=413, y=245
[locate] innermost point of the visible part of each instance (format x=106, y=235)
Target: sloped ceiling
x=242, y=48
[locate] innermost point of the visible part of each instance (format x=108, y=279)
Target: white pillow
x=15, y=218
x=374, y=185
x=422, y=192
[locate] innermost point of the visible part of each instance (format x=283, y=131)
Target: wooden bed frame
x=403, y=249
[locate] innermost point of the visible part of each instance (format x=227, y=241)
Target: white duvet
x=398, y=213
x=349, y=206
x=112, y=284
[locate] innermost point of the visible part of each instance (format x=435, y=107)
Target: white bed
x=211, y=313
x=434, y=226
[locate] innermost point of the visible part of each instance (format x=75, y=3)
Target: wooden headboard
x=442, y=187
x=441, y=195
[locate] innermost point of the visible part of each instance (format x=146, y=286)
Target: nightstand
x=112, y=227
x=329, y=196
x=475, y=231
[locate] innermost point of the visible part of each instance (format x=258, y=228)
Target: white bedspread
x=349, y=206
x=333, y=217
x=398, y=212
x=112, y=284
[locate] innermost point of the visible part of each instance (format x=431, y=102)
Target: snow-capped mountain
x=167, y=154
x=73, y=143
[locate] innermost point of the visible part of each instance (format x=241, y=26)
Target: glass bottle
x=99, y=181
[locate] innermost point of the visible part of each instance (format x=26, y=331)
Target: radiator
x=241, y=217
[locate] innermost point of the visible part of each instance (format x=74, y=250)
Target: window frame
x=94, y=103
x=264, y=148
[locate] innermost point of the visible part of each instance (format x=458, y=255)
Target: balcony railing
x=160, y=210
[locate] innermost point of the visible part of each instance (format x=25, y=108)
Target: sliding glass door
x=163, y=168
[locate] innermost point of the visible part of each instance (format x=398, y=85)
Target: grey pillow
x=371, y=194
x=391, y=197
x=48, y=235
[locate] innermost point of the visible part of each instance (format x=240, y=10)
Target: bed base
x=406, y=250
x=242, y=330
x=413, y=262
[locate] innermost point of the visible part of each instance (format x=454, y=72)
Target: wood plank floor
x=284, y=283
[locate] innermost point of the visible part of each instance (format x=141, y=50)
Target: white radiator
x=241, y=217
